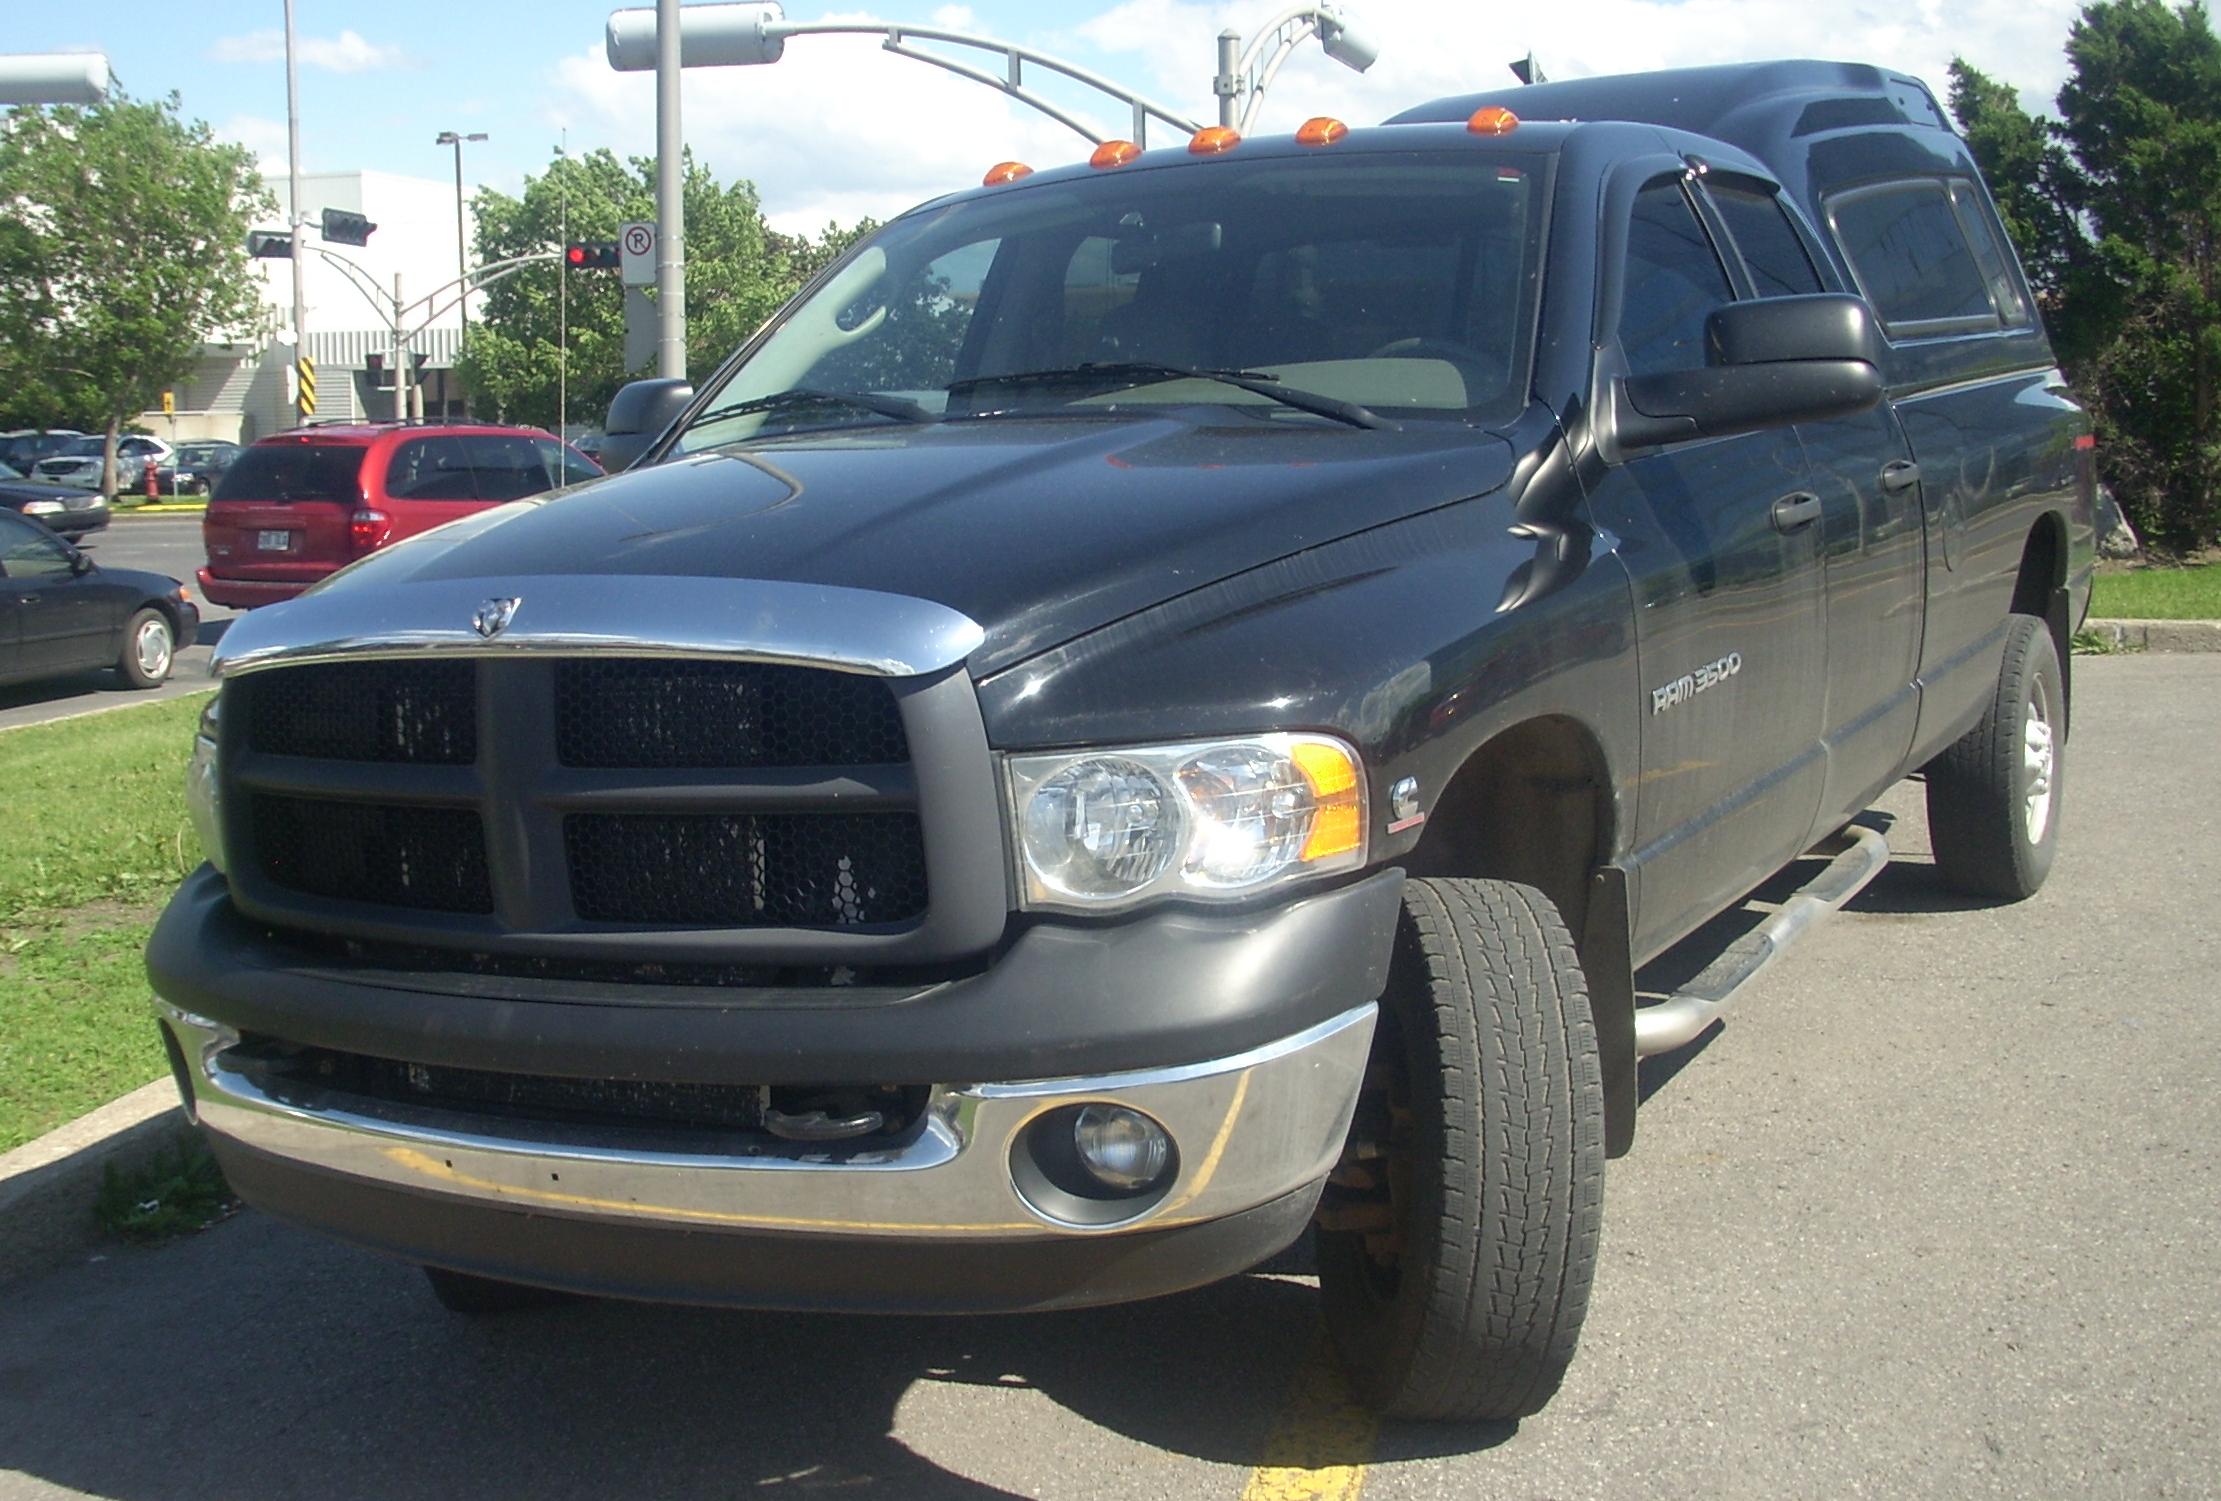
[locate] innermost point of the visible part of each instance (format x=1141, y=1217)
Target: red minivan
x=299, y=505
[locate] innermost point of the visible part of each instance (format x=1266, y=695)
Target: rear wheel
x=149, y=648
x=1993, y=795
x=1458, y=1237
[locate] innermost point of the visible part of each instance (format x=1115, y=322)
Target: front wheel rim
x=152, y=648
x=2039, y=762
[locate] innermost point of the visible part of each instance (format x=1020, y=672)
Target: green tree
x=738, y=272
x=2116, y=208
x=122, y=249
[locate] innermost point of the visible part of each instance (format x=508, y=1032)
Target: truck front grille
x=794, y=870
x=666, y=714
x=418, y=713
x=614, y=808
x=425, y=859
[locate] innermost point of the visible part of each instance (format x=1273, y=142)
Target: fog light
x=1124, y=1149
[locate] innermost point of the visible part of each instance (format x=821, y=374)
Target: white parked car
x=79, y=463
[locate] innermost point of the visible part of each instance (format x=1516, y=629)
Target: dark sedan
x=62, y=508
x=61, y=613
x=195, y=468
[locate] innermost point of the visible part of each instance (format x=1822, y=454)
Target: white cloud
x=840, y=128
x=349, y=52
x=264, y=137
x=1429, y=48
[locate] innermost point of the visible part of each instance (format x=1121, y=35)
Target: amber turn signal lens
x=1492, y=120
x=1338, y=825
x=1212, y=139
x=1003, y=172
x=1321, y=130
x=1114, y=154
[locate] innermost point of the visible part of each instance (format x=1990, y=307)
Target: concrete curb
x=196, y=508
x=2160, y=635
x=48, y=1186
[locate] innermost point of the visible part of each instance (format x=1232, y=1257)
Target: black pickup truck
x=1157, y=705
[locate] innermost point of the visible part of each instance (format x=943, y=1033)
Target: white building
x=243, y=391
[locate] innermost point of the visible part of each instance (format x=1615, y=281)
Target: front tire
x=149, y=649
x=1458, y=1241
x=1994, y=793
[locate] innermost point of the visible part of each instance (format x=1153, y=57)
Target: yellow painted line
x=1320, y=1443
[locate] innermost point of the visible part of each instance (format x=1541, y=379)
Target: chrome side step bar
x=1856, y=856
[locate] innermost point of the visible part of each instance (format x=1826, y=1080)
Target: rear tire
x=460, y=1292
x=1994, y=793
x=1455, y=1268
x=149, y=649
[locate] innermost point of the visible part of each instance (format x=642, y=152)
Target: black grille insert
x=421, y=713
x=785, y=870
x=680, y=714
x=429, y=859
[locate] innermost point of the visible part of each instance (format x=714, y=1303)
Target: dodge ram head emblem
x=493, y=617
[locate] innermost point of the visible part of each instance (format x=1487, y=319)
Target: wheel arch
x=2040, y=589
x=1536, y=803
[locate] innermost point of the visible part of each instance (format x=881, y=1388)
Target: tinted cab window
x=1672, y=284
x=1912, y=256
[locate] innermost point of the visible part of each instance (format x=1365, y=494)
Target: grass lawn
x=2160, y=593
x=97, y=837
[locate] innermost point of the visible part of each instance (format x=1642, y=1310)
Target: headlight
x=1215, y=820
x=200, y=785
x=41, y=507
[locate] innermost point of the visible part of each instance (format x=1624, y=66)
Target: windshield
x=1400, y=283
x=81, y=448
x=7, y=472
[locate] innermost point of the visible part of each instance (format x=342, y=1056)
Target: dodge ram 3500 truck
x=1157, y=705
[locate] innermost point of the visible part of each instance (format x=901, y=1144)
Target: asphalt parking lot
x=159, y=544
x=1936, y=1213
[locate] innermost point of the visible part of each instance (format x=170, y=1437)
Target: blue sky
x=839, y=128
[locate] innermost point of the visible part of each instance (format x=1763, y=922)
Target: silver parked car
x=79, y=463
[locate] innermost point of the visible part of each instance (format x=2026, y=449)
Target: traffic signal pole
x=293, y=207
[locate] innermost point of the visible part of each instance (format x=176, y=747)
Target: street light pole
x=670, y=199
x=462, y=253
x=293, y=208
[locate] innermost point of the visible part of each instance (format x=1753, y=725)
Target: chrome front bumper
x=1249, y=1130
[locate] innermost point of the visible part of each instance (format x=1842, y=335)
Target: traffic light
x=343, y=228
x=591, y=255
x=374, y=365
x=269, y=244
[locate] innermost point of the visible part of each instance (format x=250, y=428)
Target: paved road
x=161, y=544
x=1935, y=1214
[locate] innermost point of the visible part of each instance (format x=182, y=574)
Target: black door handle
x=1793, y=511
x=1900, y=474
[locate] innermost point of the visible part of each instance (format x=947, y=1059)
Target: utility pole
x=293, y=205
x=462, y=251
x=563, y=288
x=1226, y=85
x=670, y=199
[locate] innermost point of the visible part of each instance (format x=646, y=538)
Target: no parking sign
x=636, y=253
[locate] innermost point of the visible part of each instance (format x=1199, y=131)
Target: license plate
x=274, y=541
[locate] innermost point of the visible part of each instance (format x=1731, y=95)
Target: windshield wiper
x=1142, y=372
x=806, y=396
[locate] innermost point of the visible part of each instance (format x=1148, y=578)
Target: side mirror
x=79, y=564
x=638, y=414
x=1773, y=362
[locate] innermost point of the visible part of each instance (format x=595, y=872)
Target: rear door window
x=1674, y=280
x=1912, y=257
x=563, y=466
x=294, y=471
x=428, y=469
x=508, y=466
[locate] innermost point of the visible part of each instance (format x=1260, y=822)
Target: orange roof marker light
x=1213, y=139
x=1321, y=130
x=1114, y=154
x=1492, y=120
x=1003, y=172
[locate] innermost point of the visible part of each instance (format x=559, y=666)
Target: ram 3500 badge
x=1131, y=721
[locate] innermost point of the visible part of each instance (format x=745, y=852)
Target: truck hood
x=1038, y=529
